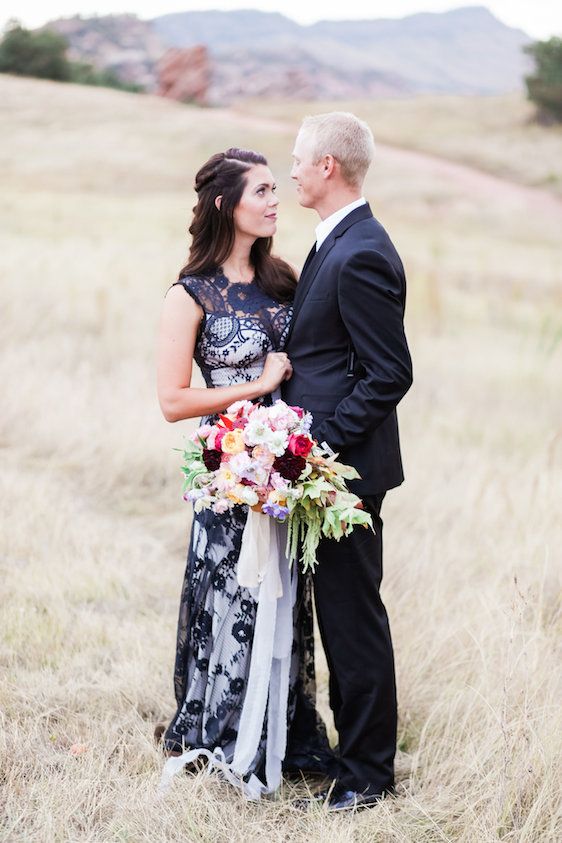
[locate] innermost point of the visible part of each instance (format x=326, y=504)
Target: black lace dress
x=216, y=619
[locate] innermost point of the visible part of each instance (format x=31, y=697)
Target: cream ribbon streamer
x=263, y=568
x=259, y=556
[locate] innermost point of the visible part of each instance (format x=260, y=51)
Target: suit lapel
x=315, y=259
x=309, y=258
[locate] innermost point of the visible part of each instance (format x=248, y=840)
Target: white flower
x=202, y=503
x=221, y=506
x=295, y=494
x=278, y=441
x=193, y=495
x=278, y=482
x=259, y=412
x=259, y=474
x=262, y=455
x=257, y=432
x=281, y=416
x=224, y=480
x=240, y=463
x=249, y=496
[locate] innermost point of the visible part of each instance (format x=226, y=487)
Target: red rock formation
x=185, y=75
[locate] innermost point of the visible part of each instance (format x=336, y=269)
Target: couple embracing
x=333, y=342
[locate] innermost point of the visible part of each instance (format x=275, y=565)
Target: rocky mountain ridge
x=251, y=53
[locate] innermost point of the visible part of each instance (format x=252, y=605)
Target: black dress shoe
x=339, y=799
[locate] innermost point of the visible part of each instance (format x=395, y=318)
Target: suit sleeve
x=371, y=303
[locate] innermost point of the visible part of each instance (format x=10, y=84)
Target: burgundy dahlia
x=212, y=459
x=289, y=466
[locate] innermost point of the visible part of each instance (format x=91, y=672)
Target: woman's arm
x=179, y=324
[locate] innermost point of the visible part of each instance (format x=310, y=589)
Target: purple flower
x=275, y=510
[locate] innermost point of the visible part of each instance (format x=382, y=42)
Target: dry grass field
x=96, y=198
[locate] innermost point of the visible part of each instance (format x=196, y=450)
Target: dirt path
x=469, y=180
x=472, y=181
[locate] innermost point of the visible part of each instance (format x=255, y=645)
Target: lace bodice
x=241, y=326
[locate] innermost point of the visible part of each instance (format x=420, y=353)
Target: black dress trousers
x=356, y=637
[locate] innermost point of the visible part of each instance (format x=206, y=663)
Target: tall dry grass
x=95, y=204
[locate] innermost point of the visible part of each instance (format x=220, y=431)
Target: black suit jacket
x=351, y=364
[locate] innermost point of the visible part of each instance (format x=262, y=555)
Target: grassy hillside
x=497, y=134
x=95, y=204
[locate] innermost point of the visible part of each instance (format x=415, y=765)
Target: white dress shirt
x=326, y=226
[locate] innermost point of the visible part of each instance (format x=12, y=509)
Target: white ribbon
x=259, y=556
x=263, y=568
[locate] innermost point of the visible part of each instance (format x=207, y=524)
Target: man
x=351, y=367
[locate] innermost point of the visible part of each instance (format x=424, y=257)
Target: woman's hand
x=277, y=368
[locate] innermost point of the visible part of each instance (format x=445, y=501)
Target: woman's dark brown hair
x=213, y=232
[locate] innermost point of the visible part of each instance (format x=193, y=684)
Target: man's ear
x=328, y=166
x=218, y=201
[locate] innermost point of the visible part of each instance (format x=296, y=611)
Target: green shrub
x=544, y=87
x=43, y=54
x=27, y=53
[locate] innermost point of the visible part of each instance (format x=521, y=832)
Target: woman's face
x=256, y=213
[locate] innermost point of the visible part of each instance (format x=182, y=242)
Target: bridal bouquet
x=265, y=457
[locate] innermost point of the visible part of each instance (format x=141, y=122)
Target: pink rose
x=300, y=444
x=215, y=437
x=298, y=410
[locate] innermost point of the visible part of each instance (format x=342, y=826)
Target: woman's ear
x=218, y=201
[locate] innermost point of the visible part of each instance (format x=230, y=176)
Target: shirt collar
x=324, y=228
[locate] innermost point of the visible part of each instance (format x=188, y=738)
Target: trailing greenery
x=544, y=87
x=42, y=54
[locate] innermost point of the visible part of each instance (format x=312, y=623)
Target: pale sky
x=539, y=18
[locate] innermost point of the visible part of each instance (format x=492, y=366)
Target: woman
x=230, y=312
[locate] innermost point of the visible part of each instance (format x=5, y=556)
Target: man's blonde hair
x=347, y=138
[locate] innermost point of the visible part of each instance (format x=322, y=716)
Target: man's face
x=311, y=185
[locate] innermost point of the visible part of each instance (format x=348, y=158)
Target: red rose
x=289, y=466
x=300, y=444
x=212, y=459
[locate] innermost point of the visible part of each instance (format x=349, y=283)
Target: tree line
x=43, y=53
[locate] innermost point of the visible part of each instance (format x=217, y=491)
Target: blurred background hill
x=464, y=51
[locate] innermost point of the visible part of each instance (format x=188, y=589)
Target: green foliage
x=43, y=54
x=86, y=74
x=544, y=87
